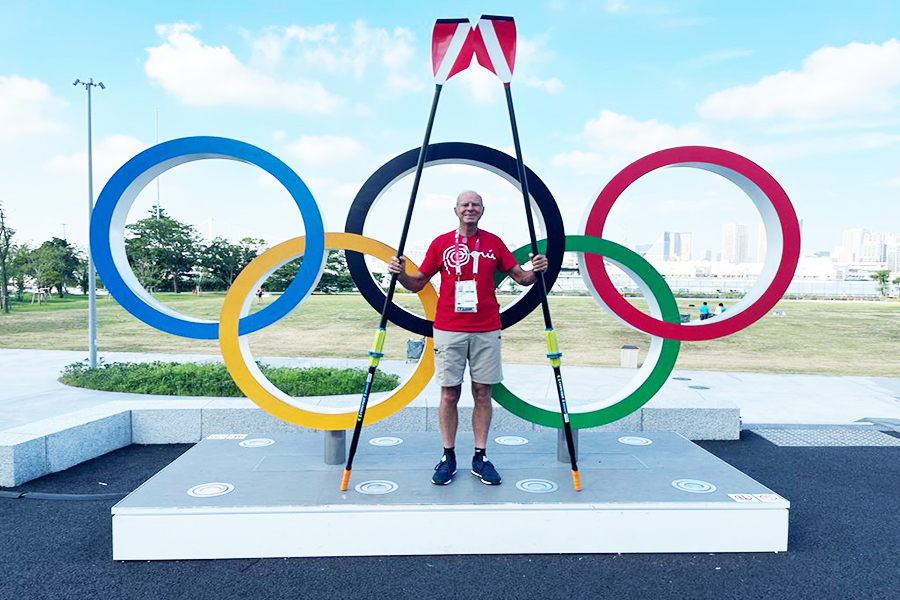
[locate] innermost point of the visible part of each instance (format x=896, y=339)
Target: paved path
x=30, y=392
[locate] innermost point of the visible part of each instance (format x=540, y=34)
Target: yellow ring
x=247, y=376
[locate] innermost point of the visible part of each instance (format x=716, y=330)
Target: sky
x=810, y=91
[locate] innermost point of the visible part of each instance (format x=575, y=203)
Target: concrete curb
x=50, y=445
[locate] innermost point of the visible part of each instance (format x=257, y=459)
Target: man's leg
x=481, y=414
x=448, y=415
x=449, y=419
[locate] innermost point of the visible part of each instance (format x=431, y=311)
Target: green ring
x=662, y=305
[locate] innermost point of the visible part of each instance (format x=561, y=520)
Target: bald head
x=469, y=208
x=469, y=195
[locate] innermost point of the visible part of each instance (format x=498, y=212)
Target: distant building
x=761, y=243
x=681, y=246
x=851, y=248
x=872, y=249
x=735, y=243
x=892, y=252
x=670, y=245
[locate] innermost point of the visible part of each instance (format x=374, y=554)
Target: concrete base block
x=411, y=418
x=79, y=443
x=698, y=419
x=23, y=457
x=630, y=422
x=43, y=447
x=166, y=422
x=237, y=415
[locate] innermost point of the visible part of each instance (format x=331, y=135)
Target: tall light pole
x=92, y=277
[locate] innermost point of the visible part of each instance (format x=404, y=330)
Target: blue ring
x=108, y=220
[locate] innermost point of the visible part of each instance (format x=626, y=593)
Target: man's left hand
x=538, y=262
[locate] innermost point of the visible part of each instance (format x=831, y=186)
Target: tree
x=161, y=250
x=222, y=260
x=336, y=276
x=283, y=276
x=82, y=273
x=20, y=266
x=55, y=264
x=881, y=278
x=6, y=245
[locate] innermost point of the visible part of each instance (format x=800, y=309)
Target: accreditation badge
x=466, y=296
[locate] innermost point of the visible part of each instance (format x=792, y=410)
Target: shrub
x=212, y=379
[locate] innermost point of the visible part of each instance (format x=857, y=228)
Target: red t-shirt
x=443, y=255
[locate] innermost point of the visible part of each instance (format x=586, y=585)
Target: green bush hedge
x=212, y=379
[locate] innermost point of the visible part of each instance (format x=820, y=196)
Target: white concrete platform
x=273, y=496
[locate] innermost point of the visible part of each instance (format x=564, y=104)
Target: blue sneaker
x=444, y=471
x=484, y=470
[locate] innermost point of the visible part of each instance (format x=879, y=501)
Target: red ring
x=714, y=159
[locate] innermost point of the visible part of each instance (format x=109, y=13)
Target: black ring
x=474, y=155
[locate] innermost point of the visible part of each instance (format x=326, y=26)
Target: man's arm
x=414, y=282
x=523, y=277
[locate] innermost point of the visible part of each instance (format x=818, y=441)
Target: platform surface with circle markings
x=231, y=497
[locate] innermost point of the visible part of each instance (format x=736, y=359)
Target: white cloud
x=484, y=86
x=532, y=54
x=622, y=133
x=363, y=51
x=27, y=107
x=833, y=82
x=790, y=149
x=109, y=154
x=325, y=149
x=582, y=162
x=267, y=180
x=269, y=47
x=895, y=182
x=552, y=85
x=616, y=139
x=201, y=75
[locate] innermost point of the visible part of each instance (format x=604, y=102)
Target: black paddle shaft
x=389, y=297
x=545, y=306
x=420, y=166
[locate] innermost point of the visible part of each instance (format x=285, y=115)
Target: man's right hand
x=397, y=266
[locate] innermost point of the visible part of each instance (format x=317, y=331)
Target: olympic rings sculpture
x=235, y=323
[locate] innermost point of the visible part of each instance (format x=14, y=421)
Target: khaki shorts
x=480, y=348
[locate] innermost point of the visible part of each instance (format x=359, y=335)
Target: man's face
x=469, y=209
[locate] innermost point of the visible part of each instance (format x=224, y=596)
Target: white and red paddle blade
x=452, y=45
x=495, y=45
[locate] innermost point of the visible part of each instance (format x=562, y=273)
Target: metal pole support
x=335, y=447
x=562, y=449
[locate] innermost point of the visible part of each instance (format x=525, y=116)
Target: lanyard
x=465, y=242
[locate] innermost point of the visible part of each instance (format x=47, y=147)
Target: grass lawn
x=834, y=338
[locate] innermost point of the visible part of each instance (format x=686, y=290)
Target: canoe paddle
x=495, y=50
x=451, y=52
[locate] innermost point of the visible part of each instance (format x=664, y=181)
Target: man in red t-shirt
x=467, y=325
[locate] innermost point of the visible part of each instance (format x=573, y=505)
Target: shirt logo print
x=459, y=255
